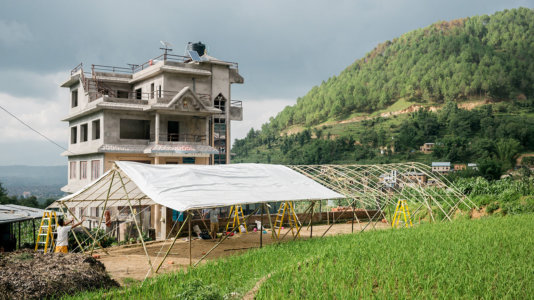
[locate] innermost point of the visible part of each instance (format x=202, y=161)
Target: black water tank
x=199, y=48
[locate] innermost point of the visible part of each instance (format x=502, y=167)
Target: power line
x=34, y=130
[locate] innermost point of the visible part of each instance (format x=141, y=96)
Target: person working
x=62, y=243
x=214, y=221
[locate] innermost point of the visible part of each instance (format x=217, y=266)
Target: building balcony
x=171, y=138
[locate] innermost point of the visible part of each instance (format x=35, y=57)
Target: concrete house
x=171, y=109
x=441, y=167
x=427, y=148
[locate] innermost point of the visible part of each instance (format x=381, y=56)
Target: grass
x=486, y=258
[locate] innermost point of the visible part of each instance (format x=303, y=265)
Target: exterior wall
x=90, y=146
x=110, y=158
x=441, y=169
x=221, y=85
x=83, y=99
x=77, y=183
x=112, y=127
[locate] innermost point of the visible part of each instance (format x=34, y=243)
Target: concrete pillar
x=156, y=132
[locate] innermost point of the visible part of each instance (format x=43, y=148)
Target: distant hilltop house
x=460, y=167
x=445, y=167
x=427, y=148
x=441, y=167
x=172, y=109
x=472, y=166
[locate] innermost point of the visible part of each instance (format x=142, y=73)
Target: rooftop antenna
x=166, y=47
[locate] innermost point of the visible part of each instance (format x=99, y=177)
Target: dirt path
x=131, y=263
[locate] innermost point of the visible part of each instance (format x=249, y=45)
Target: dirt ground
x=131, y=263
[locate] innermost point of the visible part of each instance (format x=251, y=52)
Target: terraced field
x=487, y=258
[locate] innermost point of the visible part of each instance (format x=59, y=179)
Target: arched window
x=220, y=102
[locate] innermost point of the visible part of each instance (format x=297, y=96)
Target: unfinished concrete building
x=172, y=109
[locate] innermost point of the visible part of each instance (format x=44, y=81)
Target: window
x=188, y=160
x=73, y=135
x=122, y=94
x=173, y=131
x=134, y=129
x=152, y=91
x=72, y=170
x=139, y=94
x=159, y=91
x=96, y=129
x=95, y=169
x=220, y=102
x=74, y=98
x=83, y=133
x=83, y=170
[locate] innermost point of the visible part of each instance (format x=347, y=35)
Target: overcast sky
x=283, y=48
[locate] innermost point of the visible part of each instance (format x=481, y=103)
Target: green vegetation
x=31, y=201
x=486, y=258
x=482, y=58
x=490, y=135
x=505, y=196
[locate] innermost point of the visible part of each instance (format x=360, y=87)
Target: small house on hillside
x=460, y=167
x=441, y=167
x=427, y=148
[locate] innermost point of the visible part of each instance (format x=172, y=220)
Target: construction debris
x=31, y=275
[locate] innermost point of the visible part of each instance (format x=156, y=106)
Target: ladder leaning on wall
x=45, y=239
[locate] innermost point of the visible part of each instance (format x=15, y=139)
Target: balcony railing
x=161, y=96
x=138, y=67
x=236, y=103
x=179, y=137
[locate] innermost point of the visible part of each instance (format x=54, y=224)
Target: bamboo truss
x=378, y=186
x=365, y=187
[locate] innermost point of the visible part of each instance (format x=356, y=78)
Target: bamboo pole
x=136, y=225
x=261, y=227
x=189, y=222
x=103, y=210
x=222, y=240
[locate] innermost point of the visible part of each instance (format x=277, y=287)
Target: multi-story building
x=172, y=109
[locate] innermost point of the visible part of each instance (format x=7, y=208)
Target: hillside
x=455, y=83
x=41, y=181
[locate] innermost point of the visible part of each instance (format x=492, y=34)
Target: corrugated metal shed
x=10, y=213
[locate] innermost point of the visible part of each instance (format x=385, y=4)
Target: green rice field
x=490, y=258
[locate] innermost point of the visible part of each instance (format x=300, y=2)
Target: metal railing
x=112, y=69
x=236, y=103
x=138, y=67
x=179, y=137
x=76, y=69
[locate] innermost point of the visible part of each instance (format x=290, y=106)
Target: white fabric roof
x=184, y=187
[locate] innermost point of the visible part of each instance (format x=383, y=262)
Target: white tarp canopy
x=184, y=187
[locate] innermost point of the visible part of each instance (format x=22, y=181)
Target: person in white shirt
x=62, y=242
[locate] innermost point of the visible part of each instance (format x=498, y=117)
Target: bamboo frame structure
x=364, y=186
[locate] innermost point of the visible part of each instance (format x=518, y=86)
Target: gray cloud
x=283, y=47
x=13, y=33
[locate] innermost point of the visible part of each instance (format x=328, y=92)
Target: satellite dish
x=166, y=44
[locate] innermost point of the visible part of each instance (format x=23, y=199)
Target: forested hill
x=475, y=76
x=490, y=56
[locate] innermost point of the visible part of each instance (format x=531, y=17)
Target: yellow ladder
x=237, y=210
x=402, y=209
x=46, y=232
x=286, y=208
